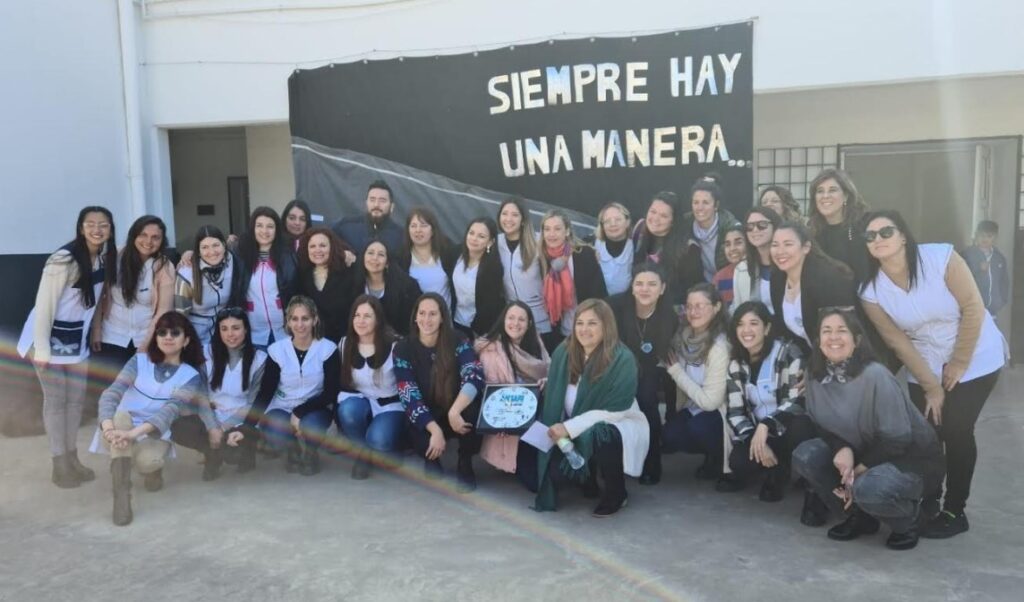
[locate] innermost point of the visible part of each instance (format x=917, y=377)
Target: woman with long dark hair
x=646, y=322
x=297, y=219
x=128, y=311
x=324, y=278
x=835, y=218
x=735, y=248
x=425, y=251
x=875, y=456
x=925, y=304
x=369, y=411
x=751, y=279
x=765, y=400
x=661, y=237
x=512, y=352
x=300, y=384
x=520, y=259
x=378, y=275
x=475, y=270
x=270, y=274
x=571, y=271
x=235, y=369
x=589, y=401
x=56, y=330
x=699, y=364
x=211, y=282
x=440, y=382
x=136, y=412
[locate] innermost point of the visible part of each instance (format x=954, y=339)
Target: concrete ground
x=269, y=535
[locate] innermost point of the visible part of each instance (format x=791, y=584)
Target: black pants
x=190, y=432
x=469, y=444
x=552, y=339
x=798, y=429
x=960, y=412
x=606, y=460
x=651, y=383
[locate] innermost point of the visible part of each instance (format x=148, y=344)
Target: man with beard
x=360, y=231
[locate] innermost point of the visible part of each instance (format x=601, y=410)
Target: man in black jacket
x=360, y=231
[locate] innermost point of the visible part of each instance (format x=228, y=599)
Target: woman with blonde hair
x=571, y=271
x=614, y=247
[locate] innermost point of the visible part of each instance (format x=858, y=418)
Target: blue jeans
x=278, y=432
x=699, y=433
x=382, y=433
x=884, y=491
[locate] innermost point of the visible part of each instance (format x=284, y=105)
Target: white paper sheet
x=537, y=436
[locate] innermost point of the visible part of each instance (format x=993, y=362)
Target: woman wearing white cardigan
x=699, y=365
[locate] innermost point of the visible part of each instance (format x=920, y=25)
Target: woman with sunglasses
x=780, y=200
x=835, y=218
x=235, y=369
x=698, y=362
x=56, y=329
x=925, y=304
x=647, y=322
x=614, y=247
x=136, y=412
x=270, y=273
x=512, y=352
x=212, y=282
x=475, y=270
x=325, y=278
x=128, y=311
x=735, y=247
x=369, y=411
x=299, y=387
x=805, y=280
x=520, y=261
x=571, y=271
x=751, y=280
x=424, y=253
x=765, y=400
x=440, y=382
x=875, y=455
x=379, y=276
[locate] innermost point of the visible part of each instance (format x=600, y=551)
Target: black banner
x=572, y=123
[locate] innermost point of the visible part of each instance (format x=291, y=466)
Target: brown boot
x=121, y=473
x=63, y=474
x=83, y=472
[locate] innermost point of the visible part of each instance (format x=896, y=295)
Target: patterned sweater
x=411, y=393
x=787, y=372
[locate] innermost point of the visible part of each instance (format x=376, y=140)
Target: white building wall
x=62, y=122
x=271, y=177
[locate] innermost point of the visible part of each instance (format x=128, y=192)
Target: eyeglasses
x=886, y=233
x=230, y=312
x=759, y=225
x=697, y=308
x=169, y=332
x=838, y=309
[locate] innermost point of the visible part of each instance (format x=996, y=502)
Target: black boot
x=464, y=475
x=154, y=481
x=63, y=475
x=857, y=524
x=361, y=467
x=652, y=468
x=815, y=512
x=294, y=458
x=774, y=486
x=246, y=458
x=84, y=473
x=212, y=464
x=121, y=475
x=310, y=464
x=432, y=469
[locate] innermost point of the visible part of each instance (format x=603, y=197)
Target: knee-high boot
x=121, y=473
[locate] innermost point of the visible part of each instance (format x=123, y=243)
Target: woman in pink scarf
x=571, y=271
x=512, y=352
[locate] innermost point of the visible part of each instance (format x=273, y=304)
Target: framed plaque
x=508, y=409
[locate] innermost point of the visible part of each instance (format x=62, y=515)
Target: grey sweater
x=874, y=416
x=190, y=396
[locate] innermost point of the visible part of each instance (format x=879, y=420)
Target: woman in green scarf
x=590, y=399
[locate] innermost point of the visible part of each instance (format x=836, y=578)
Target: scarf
x=559, y=294
x=708, y=240
x=613, y=391
x=836, y=372
x=498, y=366
x=694, y=348
x=214, y=274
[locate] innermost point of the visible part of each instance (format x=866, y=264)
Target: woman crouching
x=136, y=411
x=876, y=456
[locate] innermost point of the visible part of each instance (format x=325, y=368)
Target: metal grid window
x=793, y=168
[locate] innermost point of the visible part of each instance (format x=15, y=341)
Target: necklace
x=645, y=345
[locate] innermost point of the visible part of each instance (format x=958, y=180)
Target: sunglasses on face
x=230, y=312
x=758, y=225
x=169, y=332
x=886, y=233
x=835, y=309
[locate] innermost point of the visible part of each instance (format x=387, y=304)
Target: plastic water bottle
x=573, y=456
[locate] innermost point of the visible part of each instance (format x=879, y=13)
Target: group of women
x=758, y=336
